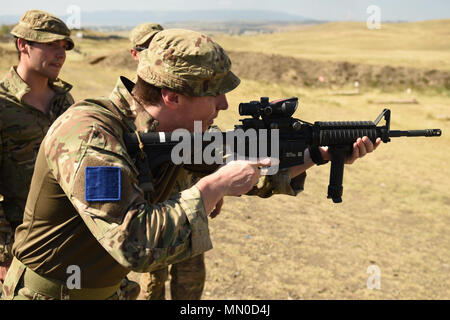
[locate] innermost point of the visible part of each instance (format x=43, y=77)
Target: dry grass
x=420, y=45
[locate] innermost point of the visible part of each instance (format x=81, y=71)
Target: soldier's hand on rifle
x=233, y=179
x=361, y=147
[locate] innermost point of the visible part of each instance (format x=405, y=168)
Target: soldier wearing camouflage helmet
x=86, y=206
x=31, y=98
x=141, y=36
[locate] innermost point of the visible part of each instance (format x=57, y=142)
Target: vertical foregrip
x=335, y=188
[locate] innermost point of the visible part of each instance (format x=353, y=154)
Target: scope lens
x=249, y=109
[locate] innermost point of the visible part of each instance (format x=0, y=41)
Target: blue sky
x=412, y=10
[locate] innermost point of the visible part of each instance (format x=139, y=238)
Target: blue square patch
x=102, y=184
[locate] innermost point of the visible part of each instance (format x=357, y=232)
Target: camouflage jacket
x=22, y=128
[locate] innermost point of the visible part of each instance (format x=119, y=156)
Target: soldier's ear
x=171, y=99
x=21, y=45
x=134, y=54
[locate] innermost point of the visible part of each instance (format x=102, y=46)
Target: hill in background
x=424, y=45
x=399, y=56
x=233, y=21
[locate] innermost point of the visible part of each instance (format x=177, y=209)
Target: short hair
x=17, y=47
x=145, y=92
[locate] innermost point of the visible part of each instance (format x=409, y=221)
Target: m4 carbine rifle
x=295, y=136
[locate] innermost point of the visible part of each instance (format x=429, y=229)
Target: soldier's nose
x=222, y=102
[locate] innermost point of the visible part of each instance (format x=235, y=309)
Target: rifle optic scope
x=264, y=108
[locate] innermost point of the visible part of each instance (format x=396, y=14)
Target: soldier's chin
x=52, y=74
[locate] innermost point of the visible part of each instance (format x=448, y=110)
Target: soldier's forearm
x=212, y=191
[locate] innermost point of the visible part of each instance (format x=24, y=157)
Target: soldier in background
x=31, y=98
x=141, y=36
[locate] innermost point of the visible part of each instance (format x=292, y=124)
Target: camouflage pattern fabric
x=129, y=290
x=143, y=33
x=187, y=277
x=41, y=26
x=187, y=62
x=22, y=129
x=186, y=283
x=6, y=237
x=153, y=285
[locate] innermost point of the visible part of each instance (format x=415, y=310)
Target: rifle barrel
x=415, y=133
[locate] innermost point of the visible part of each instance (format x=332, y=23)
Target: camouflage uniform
x=85, y=206
x=23, y=127
x=143, y=33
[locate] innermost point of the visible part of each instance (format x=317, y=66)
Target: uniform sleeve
x=279, y=183
x=91, y=165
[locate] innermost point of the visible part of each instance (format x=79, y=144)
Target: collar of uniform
x=121, y=96
x=18, y=88
x=14, y=84
x=60, y=87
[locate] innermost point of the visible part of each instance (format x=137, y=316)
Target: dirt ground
x=311, y=73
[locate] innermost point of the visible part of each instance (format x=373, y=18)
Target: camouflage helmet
x=143, y=32
x=187, y=62
x=41, y=26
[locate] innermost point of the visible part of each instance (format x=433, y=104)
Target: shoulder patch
x=102, y=184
